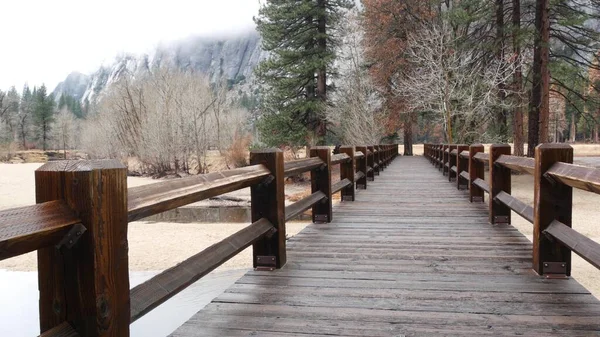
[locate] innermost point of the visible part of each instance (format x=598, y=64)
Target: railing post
x=445, y=159
x=375, y=165
x=476, y=171
x=85, y=281
x=380, y=157
x=347, y=171
x=451, y=162
x=499, y=181
x=371, y=163
x=552, y=201
x=361, y=165
x=268, y=201
x=462, y=164
x=321, y=181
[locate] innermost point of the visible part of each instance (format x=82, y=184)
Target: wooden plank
x=465, y=175
x=339, y=158
x=340, y=185
x=465, y=154
x=359, y=175
x=268, y=202
x=500, y=181
x=165, y=285
x=321, y=181
x=362, y=167
x=519, y=164
x=348, y=172
x=25, y=229
x=482, y=157
x=301, y=206
x=292, y=168
x=581, y=177
x=482, y=184
x=88, y=284
x=551, y=202
x=359, y=154
x=156, y=198
x=63, y=330
x=516, y=205
x=585, y=247
x=453, y=169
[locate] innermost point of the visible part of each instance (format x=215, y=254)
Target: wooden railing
x=79, y=228
x=554, y=178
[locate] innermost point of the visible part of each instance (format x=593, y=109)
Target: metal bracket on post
x=266, y=263
x=321, y=218
x=72, y=236
x=555, y=269
x=501, y=220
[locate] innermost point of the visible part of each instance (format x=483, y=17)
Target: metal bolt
x=70, y=242
x=79, y=233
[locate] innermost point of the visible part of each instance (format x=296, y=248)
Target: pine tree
x=25, y=116
x=44, y=115
x=299, y=34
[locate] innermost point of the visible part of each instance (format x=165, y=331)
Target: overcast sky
x=44, y=40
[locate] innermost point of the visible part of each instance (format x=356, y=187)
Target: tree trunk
x=322, y=71
x=573, y=131
x=501, y=112
x=540, y=97
x=408, y=135
x=517, y=82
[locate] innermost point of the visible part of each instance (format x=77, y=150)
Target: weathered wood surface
x=25, y=229
x=410, y=257
x=585, y=247
x=63, y=330
x=516, y=205
x=167, y=284
x=520, y=164
x=301, y=206
x=147, y=200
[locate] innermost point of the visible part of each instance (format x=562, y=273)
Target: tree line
x=521, y=71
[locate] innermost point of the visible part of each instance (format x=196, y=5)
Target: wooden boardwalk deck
x=410, y=257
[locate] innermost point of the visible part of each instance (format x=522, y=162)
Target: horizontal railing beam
x=26, y=229
x=292, y=168
x=167, y=284
x=515, y=163
x=300, y=206
x=585, y=247
x=148, y=200
x=516, y=205
x=581, y=177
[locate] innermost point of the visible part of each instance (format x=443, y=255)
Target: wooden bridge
x=414, y=253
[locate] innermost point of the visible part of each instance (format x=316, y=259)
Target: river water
x=19, y=297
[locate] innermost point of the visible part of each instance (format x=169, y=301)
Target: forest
x=338, y=72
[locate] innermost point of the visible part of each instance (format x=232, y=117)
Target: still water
x=19, y=303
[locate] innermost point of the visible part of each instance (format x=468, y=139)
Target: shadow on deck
x=410, y=257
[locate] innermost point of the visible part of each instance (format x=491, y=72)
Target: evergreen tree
x=43, y=115
x=25, y=116
x=299, y=34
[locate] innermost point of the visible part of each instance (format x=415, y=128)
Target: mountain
x=233, y=58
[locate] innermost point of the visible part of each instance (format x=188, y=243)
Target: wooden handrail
x=585, y=247
x=71, y=206
x=482, y=157
x=515, y=163
x=297, y=208
x=296, y=167
x=516, y=205
x=554, y=176
x=581, y=177
x=148, y=200
x=26, y=229
x=167, y=284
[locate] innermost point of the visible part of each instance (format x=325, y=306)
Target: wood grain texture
x=400, y=261
x=551, y=202
x=482, y=184
x=500, y=181
x=519, y=164
x=296, y=167
x=476, y=171
x=340, y=185
x=348, y=171
x=321, y=181
x=268, y=201
x=340, y=158
x=156, y=198
x=300, y=206
x=482, y=157
x=516, y=205
x=585, y=247
x=63, y=330
x=361, y=166
x=170, y=282
x=25, y=229
x=581, y=177
x=87, y=285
